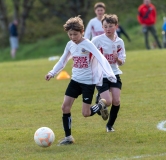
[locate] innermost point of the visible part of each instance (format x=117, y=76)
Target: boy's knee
x=116, y=102
x=109, y=102
x=65, y=109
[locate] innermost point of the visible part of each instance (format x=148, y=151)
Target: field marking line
x=161, y=126
x=141, y=156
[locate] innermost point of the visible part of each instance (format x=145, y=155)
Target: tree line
x=45, y=17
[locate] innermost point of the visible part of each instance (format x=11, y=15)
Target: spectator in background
x=13, y=38
x=147, y=18
x=94, y=27
x=120, y=30
x=164, y=32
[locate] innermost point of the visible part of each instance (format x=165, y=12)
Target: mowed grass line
x=28, y=102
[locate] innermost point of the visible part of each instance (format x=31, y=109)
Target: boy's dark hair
x=110, y=18
x=75, y=24
x=99, y=4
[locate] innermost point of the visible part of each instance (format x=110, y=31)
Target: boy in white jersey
x=112, y=47
x=88, y=65
x=94, y=27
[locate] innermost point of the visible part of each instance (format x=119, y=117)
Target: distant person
x=94, y=27
x=147, y=18
x=164, y=32
x=13, y=38
x=120, y=30
x=87, y=72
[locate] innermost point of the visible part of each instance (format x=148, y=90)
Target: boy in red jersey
x=147, y=18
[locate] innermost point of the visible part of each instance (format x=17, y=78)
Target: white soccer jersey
x=107, y=47
x=88, y=63
x=94, y=28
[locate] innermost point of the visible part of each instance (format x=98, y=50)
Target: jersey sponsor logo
x=84, y=51
x=110, y=58
x=80, y=62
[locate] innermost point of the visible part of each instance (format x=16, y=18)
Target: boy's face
x=75, y=36
x=109, y=28
x=99, y=11
x=146, y=2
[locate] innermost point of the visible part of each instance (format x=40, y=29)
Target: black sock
x=113, y=115
x=67, y=123
x=94, y=109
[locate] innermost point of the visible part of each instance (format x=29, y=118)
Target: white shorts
x=14, y=42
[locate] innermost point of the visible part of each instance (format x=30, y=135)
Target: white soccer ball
x=44, y=137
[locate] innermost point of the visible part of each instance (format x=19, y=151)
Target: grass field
x=28, y=102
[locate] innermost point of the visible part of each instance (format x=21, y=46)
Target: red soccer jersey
x=147, y=14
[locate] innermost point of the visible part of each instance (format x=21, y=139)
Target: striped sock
x=94, y=109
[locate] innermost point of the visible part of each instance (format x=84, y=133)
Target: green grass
x=28, y=102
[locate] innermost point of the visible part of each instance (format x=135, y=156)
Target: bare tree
x=27, y=6
x=3, y=17
x=16, y=4
x=65, y=9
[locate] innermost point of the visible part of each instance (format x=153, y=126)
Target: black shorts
x=75, y=89
x=107, y=84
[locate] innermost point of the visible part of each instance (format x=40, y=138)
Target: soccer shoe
x=97, y=98
x=66, y=141
x=97, y=101
x=109, y=129
x=99, y=113
x=104, y=110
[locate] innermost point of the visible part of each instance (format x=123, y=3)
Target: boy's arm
x=121, y=53
x=103, y=62
x=62, y=62
x=88, y=31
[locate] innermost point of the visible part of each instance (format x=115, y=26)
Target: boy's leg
x=13, y=53
x=88, y=110
x=87, y=96
x=100, y=107
x=114, y=109
x=145, y=31
x=103, y=93
x=112, y=118
x=97, y=98
x=67, y=124
x=154, y=33
x=66, y=119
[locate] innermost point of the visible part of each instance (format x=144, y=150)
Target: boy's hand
x=115, y=54
x=48, y=77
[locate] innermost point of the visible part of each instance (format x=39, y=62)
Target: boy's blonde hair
x=110, y=18
x=99, y=4
x=75, y=24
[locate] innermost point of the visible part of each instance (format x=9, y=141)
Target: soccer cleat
x=99, y=113
x=66, y=141
x=109, y=129
x=104, y=110
x=97, y=98
x=97, y=101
